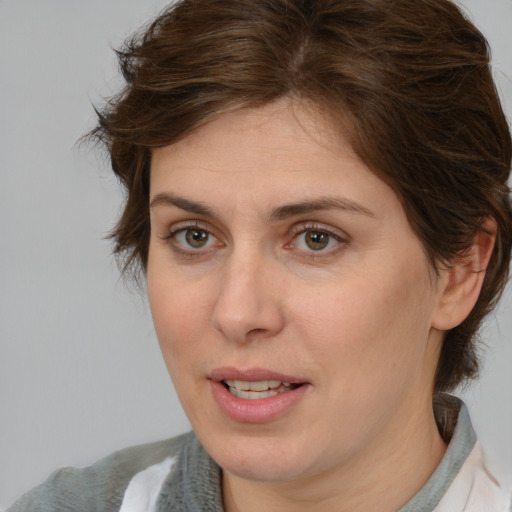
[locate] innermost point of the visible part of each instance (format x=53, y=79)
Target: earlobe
x=463, y=281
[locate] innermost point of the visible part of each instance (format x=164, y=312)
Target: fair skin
x=275, y=251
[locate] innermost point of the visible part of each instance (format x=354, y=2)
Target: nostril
x=256, y=331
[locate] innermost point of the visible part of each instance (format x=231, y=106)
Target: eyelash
x=316, y=228
x=179, y=249
x=295, y=233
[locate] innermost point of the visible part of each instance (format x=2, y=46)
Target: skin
x=360, y=320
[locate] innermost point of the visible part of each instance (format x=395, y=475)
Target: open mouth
x=256, y=390
x=256, y=395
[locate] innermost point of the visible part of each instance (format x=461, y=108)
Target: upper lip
x=252, y=375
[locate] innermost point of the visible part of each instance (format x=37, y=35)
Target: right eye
x=193, y=238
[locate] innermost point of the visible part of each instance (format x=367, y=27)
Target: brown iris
x=196, y=238
x=316, y=240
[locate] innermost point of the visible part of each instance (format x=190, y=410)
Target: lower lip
x=255, y=411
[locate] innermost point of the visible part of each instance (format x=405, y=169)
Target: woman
x=317, y=196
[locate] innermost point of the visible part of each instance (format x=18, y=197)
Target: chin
x=261, y=458
x=264, y=470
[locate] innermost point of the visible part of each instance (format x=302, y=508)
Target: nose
x=249, y=304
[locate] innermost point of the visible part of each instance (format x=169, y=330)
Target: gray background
x=80, y=370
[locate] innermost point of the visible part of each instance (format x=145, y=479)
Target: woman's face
x=292, y=301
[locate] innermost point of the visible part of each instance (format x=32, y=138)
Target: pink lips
x=254, y=411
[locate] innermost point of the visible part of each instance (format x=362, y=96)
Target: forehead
x=275, y=126
x=284, y=140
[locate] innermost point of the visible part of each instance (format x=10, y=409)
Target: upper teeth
x=262, y=385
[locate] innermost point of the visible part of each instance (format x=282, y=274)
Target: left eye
x=316, y=240
x=193, y=238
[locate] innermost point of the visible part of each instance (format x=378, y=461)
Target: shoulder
x=475, y=488
x=102, y=486
x=470, y=483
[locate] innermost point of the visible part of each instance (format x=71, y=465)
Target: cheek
x=179, y=316
x=366, y=328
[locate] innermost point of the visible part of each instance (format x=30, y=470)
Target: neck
x=383, y=478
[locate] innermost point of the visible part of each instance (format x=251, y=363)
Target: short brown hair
x=410, y=80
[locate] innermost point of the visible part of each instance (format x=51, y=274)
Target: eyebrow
x=322, y=203
x=280, y=213
x=168, y=199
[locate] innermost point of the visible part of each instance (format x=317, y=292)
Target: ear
x=462, y=283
